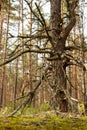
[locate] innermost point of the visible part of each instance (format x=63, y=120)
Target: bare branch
x=34, y=13
x=29, y=36
x=23, y=52
x=29, y=96
x=45, y=26
x=76, y=60
x=71, y=48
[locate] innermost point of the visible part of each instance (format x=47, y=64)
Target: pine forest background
x=25, y=55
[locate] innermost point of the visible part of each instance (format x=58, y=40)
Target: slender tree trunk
x=3, y=96
x=1, y=23
x=16, y=83
x=0, y=5
x=23, y=85
x=30, y=56
x=1, y=20
x=16, y=68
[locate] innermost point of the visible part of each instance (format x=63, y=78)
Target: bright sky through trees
x=84, y=16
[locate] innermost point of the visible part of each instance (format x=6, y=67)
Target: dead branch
x=30, y=36
x=71, y=48
x=44, y=23
x=23, y=52
x=29, y=96
x=76, y=60
x=34, y=13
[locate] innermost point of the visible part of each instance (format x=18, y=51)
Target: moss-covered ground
x=43, y=121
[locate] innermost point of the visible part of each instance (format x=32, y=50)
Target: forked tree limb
x=71, y=5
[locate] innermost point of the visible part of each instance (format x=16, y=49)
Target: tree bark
x=59, y=36
x=3, y=85
x=1, y=20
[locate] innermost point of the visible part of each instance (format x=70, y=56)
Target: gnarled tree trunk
x=59, y=35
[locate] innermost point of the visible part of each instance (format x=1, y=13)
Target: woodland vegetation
x=43, y=57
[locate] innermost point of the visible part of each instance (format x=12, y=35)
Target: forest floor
x=43, y=121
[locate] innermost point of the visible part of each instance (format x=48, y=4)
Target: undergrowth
x=40, y=118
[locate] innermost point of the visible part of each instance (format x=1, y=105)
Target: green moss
x=43, y=121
